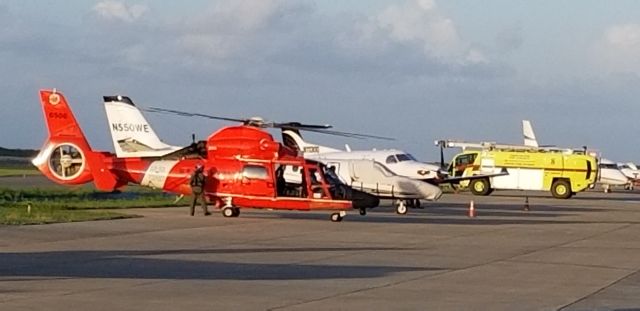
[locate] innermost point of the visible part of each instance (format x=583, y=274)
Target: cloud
x=419, y=24
x=618, y=48
x=268, y=40
x=117, y=10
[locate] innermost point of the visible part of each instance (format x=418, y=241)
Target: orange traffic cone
x=472, y=210
x=526, y=204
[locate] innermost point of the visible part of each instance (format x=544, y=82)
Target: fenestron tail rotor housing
x=67, y=161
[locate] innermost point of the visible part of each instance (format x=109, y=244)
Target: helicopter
x=242, y=165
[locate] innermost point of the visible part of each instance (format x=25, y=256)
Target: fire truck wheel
x=561, y=189
x=401, y=207
x=228, y=212
x=480, y=186
x=335, y=217
x=363, y=212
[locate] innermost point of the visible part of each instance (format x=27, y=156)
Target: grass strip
x=46, y=215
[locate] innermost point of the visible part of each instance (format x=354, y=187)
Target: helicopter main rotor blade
x=298, y=125
x=253, y=122
x=347, y=134
x=192, y=114
x=317, y=128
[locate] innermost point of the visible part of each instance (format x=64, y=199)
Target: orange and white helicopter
x=242, y=164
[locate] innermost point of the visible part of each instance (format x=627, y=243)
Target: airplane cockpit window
x=383, y=169
x=391, y=159
x=405, y=157
x=254, y=172
x=608, y=165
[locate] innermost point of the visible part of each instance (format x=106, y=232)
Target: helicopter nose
x=363, y=200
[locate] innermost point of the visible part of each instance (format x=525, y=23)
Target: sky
x=415, y=70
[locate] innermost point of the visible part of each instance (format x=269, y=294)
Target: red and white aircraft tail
x=66, y=156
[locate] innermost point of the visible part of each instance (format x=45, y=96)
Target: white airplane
x=608, y=172
x=131, y=133
x=631, y=171
x=398, y=161
x=610, y=175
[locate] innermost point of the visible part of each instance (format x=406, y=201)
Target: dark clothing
x=197, y=184
x=194, y=201
x=281, y=182
x=197, y=180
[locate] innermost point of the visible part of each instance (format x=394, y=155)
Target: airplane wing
x=455, y=180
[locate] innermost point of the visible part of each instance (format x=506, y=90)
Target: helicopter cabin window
x=317, y=189
x=255, y=172
x=391, y=159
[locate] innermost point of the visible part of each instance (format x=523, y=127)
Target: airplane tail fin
x=529, y=136
x=66, y=156
x=132, y=135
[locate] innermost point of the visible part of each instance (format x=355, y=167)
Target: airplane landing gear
x=363, y=212
x=413, y=203
x=401, y=207
x=337, y=217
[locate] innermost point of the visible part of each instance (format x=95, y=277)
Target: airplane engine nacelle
x=65, y=163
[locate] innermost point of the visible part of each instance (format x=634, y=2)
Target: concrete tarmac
x=577, y=254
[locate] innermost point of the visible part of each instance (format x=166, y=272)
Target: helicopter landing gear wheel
x=401, y=207
x=363, y=212
x=337, y=217
x=230, y=212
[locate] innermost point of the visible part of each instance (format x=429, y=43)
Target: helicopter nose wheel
x=230, y=212
x=337, y=217
x=401, y=207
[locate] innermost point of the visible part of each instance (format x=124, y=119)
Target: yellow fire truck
x=561, y=171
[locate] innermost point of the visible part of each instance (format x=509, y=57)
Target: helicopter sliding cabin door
x=256, y=181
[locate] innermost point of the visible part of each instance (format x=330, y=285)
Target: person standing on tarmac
x=197, y=183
